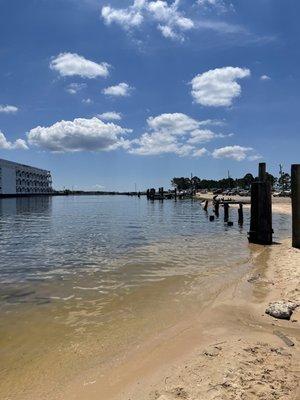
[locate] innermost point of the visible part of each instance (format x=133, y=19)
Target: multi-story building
x=18, y=179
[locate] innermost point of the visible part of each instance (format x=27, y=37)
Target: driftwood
x=284, y=338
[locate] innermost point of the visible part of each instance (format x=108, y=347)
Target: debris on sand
x=281, y=309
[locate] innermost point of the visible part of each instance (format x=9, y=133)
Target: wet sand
x=228, y=350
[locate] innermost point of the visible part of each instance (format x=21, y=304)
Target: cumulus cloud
x=170, y=21
x=110, y=116
x=74, y=88
x=72, y=64
x=126, y=17
x=120, y=90
x=265, y=78
x=79, y=135
x=19, y=144
x=205, y=135
x=235, y=152
x=8, y=109
x=175, y=123
x=218, y=87
x=175, y=133
x=200, y=152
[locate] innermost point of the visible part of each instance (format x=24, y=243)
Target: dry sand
x=280, y=205
x=230, y=350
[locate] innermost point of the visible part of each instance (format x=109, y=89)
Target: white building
x=22, y=179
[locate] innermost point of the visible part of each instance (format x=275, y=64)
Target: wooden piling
x=241, y=214
x=262, y=172
x=205, y=205
x=295, y=183
x=217, y=205
x=161, y=193
x=261, y=210
x=226, y=212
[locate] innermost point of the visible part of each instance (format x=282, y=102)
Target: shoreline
x=189, y=342
x=282, y=205
x=227, y=351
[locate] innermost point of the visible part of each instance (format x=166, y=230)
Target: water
x=83, y=270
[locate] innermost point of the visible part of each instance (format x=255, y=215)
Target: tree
x=270, y=178
x=284, y=181
x=181, y=183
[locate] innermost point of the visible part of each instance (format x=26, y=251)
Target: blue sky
x=112, y=93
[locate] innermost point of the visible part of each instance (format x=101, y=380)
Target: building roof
x=14, y=164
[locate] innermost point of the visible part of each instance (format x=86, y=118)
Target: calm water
x=83, y=270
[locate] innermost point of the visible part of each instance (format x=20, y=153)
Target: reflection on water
x=81, y=271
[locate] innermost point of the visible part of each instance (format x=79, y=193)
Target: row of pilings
x=261, y=230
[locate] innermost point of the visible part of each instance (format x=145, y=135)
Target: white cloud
x=175, y=133
x=126, y=17
x=265, y=78
x=79, y=135
x=110, y=116
x=235, y=152
x=255, y=157
x=71, y=64
x=74, y=88
x=222, y=27
x=87, y=101
x=219, y=5
x=19, y=144
x=170, y=21
x=175, y=123
x=8, y=109
x=97, y=186
x=120, y=90
x=218, y=87
x=201, y=136
x=200, y=152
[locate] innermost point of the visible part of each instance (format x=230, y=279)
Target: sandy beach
x=231, y=349
x=280, y=205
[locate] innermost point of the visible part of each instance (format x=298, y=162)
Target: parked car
x=217, y=191
x=283, y=193
x=244, y=193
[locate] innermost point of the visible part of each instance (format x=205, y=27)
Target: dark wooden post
x=226, y=212
x=148, y=194
x=175, y=193
x=262, y=172
x=205, y=205
x=217, y=205
x=295, y=181
x=261, y=210
x=241, y=214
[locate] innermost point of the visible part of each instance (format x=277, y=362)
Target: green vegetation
x=226, y=183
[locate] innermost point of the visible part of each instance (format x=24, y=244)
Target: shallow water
x=84, y=278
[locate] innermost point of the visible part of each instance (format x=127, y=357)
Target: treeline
x=283, y=182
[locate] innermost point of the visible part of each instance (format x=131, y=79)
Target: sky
x=116, y=93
